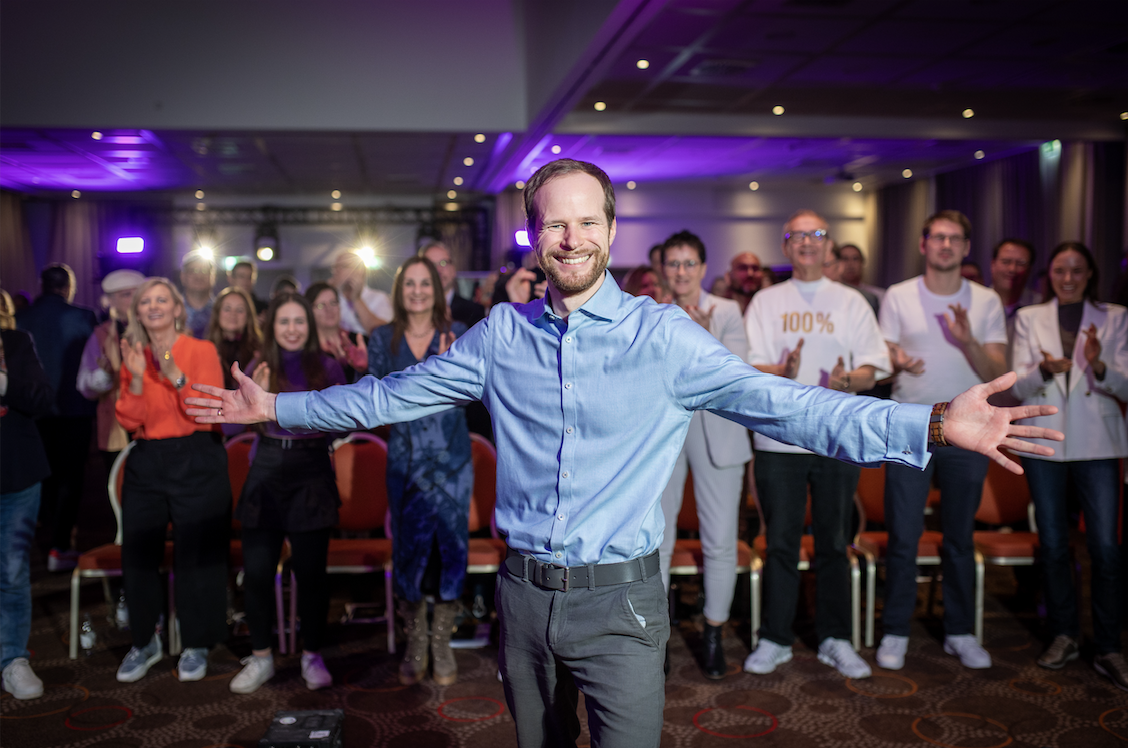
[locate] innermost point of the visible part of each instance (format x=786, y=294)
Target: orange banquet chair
x=486, y=554
x=688, y=559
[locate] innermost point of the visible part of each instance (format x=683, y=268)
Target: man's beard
x=574, y=284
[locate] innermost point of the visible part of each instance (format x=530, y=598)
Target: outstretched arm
x=970, y=423
x=248, y=404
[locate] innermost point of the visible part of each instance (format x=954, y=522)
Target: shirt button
x=568, y=339
x=567, y=385
x=564, y=474
x=560, y=516
x=568, y=430
x=559, y=554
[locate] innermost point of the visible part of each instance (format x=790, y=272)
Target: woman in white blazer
x=1072, y=352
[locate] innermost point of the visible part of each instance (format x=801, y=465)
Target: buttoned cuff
x=908, y=435
x=290, y=410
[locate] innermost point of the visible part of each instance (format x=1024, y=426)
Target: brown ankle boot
x=414, y=665
x=444, y=670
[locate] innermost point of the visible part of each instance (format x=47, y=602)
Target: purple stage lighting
x=522, y=238
x=130, y=245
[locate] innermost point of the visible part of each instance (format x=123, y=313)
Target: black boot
x=713, y=656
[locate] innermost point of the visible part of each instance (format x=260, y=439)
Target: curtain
x=17, y=260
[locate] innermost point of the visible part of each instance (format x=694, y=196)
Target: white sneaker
x=971, y=654
x=891, y=652
x=138, y=661
x=255, y=672
x=840, y=655
x=314, y=672
x=21, y=681
x=193, y=664
x=766, y=658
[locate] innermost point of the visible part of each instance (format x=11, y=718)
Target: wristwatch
x=180, y=382
x=936, y=425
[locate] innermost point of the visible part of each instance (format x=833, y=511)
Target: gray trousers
x=608, y=642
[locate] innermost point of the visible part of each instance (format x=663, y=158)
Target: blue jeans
x=960, y=475
x=1097, y=486
x=18, y=512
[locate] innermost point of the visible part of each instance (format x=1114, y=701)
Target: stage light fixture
x=522, y=238
x=266, y=242
x=130, y=245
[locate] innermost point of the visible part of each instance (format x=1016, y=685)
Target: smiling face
x=573, y=236
x=291, y=327
x=441, y=259
x=805, y=250
x=232, y=315
x=418, y=292
x=157, y=310
x=327, y=310
x=945, y=246
x=684, y=270
x=746, y=273
x=1069, y=275
x=1010, y=268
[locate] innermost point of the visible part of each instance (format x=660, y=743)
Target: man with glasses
x=461, y=310
x=816, y=332
x=945, y=334
x=746, y=277
x=715, y=448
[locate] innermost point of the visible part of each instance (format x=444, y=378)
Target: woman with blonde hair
x=176, y=472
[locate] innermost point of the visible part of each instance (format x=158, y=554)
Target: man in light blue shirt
x=591, y=392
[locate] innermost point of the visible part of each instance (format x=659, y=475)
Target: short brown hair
x=947, y=215
x=561, y=167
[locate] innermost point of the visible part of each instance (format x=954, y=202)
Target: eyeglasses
x=675, y=265
x=324, y=304
x=955, y=239
x=818, y=236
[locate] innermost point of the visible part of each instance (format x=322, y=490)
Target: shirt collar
x=604, y=305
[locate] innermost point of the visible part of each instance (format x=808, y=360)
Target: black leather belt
x=318, y=442
x=564, y=578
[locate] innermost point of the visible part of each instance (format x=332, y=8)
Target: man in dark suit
x=461, y=310
x=60, y=330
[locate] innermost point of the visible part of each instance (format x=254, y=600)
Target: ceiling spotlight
x=335, y=194
x=199, y=194
x=631, y=185
x=451, y=207
x=266, y=242
x=753, y=186
x=979, y=155
x=368, y=255
x=458, y=181
x=467, y=161
x=76, y=194
x=265, y=254
x=335, y=206
x=451, y=194
x=98, y=136
x=519, y=185
x=1124, y=115
x=907, y=173
x=555, y=149
x=642, y=64
x=857, y=186
x=777, y=110
x=201, y=206
x=479, y=138
x=601, y=105
x=968, y=113
x=130, y=245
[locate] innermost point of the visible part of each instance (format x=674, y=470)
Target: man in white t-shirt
x=716, y=450
x=945, y=335
x=362, y=308
x=819, y=332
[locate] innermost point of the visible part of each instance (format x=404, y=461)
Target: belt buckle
x=544, y=577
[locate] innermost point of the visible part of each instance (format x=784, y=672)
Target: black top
x=29, y=395
x=60, y=331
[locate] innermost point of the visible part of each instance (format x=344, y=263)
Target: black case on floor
x=317, y=728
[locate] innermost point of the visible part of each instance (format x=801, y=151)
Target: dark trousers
x=960, y=475
x=1096, y=482
x=782, y=481
x=67, y=443
x=261, y=550
x=182, y=480
x=608, y=642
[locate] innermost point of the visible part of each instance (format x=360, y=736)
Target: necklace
x=427, y=334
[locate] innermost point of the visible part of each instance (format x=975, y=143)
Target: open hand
x=838, y=379
x=958, y=324
x=700, y=317
x=794, y=358
x=972, y=424
x=445, y=339
x=903, y=361
x=356, y=355
x=261, y=375
x=1092, y=348
x=1052, y=365
x=519, y=287
x=133, y=358
x=247, y=404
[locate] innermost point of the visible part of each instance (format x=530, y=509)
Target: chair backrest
x=482, y=500
x=1005, y=497
x=113, y=486
x=871, y=495
x=238, y=465
x=360, y=462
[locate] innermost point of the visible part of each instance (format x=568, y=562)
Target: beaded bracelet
x=936, y=425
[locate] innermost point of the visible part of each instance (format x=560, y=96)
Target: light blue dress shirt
x=590, y=413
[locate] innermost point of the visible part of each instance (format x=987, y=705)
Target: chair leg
x=871, y=597
x=75, y=579
x=855, y=602
x=278, y=612
x=293, y=613
x=389, y=610
x=979, y=597
x=755, y=578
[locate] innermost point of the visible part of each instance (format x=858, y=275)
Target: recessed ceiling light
x=479, y=138
x=642, y=64
x=777, y=110
x=451, y=194
x=98, y=136
x=458, y=181
x=467, y=161
x=968, y=113
x=979, y=155
x=519, y=185
x=76, y=194
x=1124, y=115
x=201, y=206
x=857, y=186
x=335, y=194
x=631, y=185
x=601, y=105
x=199, y=194
x=266, y=254
x=907, y=173
x=335, y=206
x=451, y=207
x=753, y=186
x=555, y=149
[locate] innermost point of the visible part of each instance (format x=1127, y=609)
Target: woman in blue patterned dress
x=429, y=477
